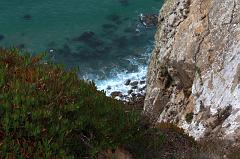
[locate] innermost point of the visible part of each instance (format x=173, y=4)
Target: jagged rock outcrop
x=194, y=73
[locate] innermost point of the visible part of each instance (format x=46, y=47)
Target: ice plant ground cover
x=48, y=112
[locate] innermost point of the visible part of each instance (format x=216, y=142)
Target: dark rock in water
x=129, y=30
x=109, y=87
x=116, y=94
x=87, y=55
x=142, y=88
x=134, y=87
x=93, y=54
x=127, y=82
x=121, y=41
x=149, y=20
x=134, y=83
x=64, y=52
x=109, y=28
x=124, y=2
x=66, y=49
x=140, y=95
x=130, y=91
x=89, y=38
x=133, y=95
x=27, y=17
x=142, y=82
x=85, y=36
x=21, y=46
x=1, y=37
x=102, y=50
x=118, y=22
x=126, y=19
x=51, y=44
x=114, y=18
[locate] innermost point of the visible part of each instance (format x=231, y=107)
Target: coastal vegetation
x=48, y=112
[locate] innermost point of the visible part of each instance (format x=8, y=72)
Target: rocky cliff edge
x=194, y=74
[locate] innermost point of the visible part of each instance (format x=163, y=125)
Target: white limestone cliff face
x=194, y=74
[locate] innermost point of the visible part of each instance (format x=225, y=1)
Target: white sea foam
x=116, y=83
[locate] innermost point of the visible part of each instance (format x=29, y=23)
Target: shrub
x=48, y=112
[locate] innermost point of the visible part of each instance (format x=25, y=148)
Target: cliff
x=194, y=74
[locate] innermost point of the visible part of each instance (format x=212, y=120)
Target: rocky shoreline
x=135, y=94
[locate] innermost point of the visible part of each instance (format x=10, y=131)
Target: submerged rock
x=114, y=18
x=121, y=41
x=124, y=2
x=21, y=46
x=149, y=20
x=2, y=37
x=89, y=38
x=109, y=28
x=129, y=30
x=27, y=17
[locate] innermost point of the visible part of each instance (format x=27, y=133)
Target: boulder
x=127, y=82
x=134, y=87
x=142, y=82
x=134, y=83
x=130, y=91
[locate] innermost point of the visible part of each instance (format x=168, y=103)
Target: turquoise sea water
x=99, y=36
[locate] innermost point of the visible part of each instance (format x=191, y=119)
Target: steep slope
x=194, y=73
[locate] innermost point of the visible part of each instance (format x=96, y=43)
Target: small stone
x=130, y=91
x=142, y=82
x=109, y=87
x=133, y=95
x=139, y=95
x=134, y=83
x=134, y=87
x=127, y=82
x=142, y=88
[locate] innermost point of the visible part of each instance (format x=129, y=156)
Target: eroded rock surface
x=194, y=72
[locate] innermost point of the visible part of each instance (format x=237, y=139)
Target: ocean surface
x=104, y=38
